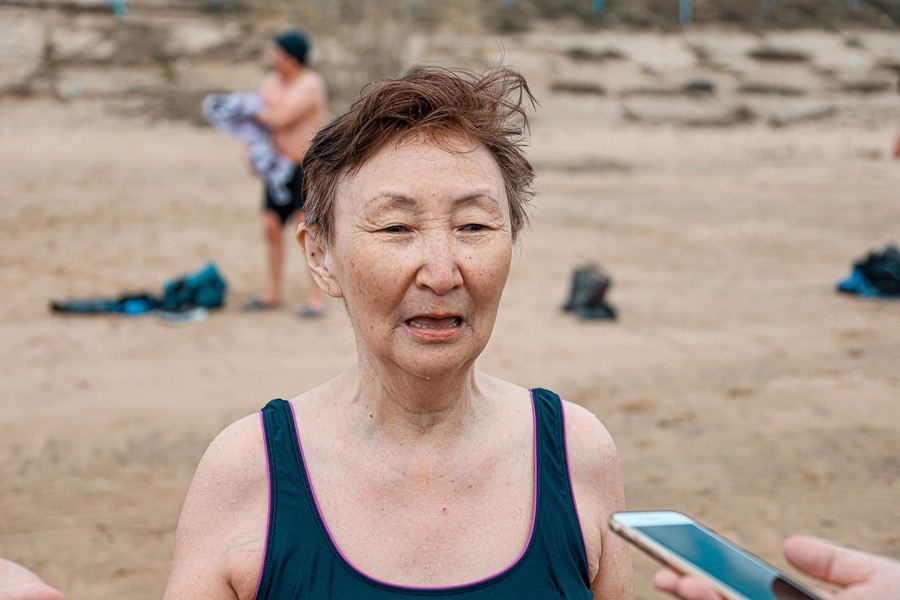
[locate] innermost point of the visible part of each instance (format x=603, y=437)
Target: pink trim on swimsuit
x=359, y=571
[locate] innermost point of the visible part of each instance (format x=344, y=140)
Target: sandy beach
x=740, y=388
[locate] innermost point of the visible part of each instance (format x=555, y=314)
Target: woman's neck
x=407, y=408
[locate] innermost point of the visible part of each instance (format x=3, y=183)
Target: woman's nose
x=439, y=270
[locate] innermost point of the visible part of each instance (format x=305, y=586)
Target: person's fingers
x=684, y=586
x=666, y=580
x=690, y=588
x=828, y=561
x=17, y=582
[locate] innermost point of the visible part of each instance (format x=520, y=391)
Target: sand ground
x=739, y=386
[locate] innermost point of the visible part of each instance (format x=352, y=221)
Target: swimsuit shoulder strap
x=291, y=505
x=557, y=521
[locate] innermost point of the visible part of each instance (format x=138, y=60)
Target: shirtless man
x=295, y=110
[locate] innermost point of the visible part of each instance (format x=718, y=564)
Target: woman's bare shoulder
x=236, y=457
x=597, y=484
x=221, y=532
x=232, y=475
x=592, y=451
x=231, y=478
x=500, y=388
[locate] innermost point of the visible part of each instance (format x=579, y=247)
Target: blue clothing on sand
x=302, y=561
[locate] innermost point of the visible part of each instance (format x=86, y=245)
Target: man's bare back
x=296, y=108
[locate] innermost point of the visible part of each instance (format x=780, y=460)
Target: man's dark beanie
x=295, y=44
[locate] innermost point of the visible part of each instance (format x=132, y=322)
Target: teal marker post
x=685, y=11
x=120, y=9
x=598, y=6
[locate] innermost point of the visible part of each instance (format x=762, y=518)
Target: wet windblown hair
x=444, y=106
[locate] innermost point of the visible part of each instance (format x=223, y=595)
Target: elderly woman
x=411, y=474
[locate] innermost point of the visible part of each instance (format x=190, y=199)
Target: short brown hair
x=439, y=103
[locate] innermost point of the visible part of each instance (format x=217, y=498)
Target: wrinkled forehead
x=422, y=159
x=446, y=139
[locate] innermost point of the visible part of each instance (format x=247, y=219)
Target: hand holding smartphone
x=683, y=544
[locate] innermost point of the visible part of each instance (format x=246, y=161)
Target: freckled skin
x=430, y=238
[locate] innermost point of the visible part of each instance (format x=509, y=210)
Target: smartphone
x=679, y=542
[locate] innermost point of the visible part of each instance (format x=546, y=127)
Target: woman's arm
x=222, y=530
x=597, y=483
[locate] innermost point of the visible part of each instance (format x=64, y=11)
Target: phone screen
x=737, y=569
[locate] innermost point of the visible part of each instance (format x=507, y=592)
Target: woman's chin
x=434, y=362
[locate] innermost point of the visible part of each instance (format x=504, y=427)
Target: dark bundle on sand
x=588, y=296
x=877, y=275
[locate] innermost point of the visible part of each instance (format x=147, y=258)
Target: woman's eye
x=395, y=229
x=474, y=227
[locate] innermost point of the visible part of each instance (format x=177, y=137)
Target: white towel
x=233, y=114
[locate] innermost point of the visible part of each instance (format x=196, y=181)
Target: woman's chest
x=433, y=529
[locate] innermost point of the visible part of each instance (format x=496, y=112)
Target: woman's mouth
x=434, y=322
x=435, y=328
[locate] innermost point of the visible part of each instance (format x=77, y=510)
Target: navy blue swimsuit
x=302, y=561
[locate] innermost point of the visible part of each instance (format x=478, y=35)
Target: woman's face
x=421, y=251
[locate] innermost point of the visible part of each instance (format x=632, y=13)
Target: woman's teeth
x=434, y=323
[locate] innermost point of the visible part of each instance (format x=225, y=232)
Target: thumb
x=828, y=561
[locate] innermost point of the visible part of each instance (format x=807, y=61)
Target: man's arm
x=597, y=483
x=221, y=533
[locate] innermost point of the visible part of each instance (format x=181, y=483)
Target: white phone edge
x=652, y=517
x=622, y=523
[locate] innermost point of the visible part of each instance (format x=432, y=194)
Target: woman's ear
x=319, y=260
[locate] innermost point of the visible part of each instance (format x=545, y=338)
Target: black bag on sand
x=882, y=269
x=875, y=276
x=588, y=296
